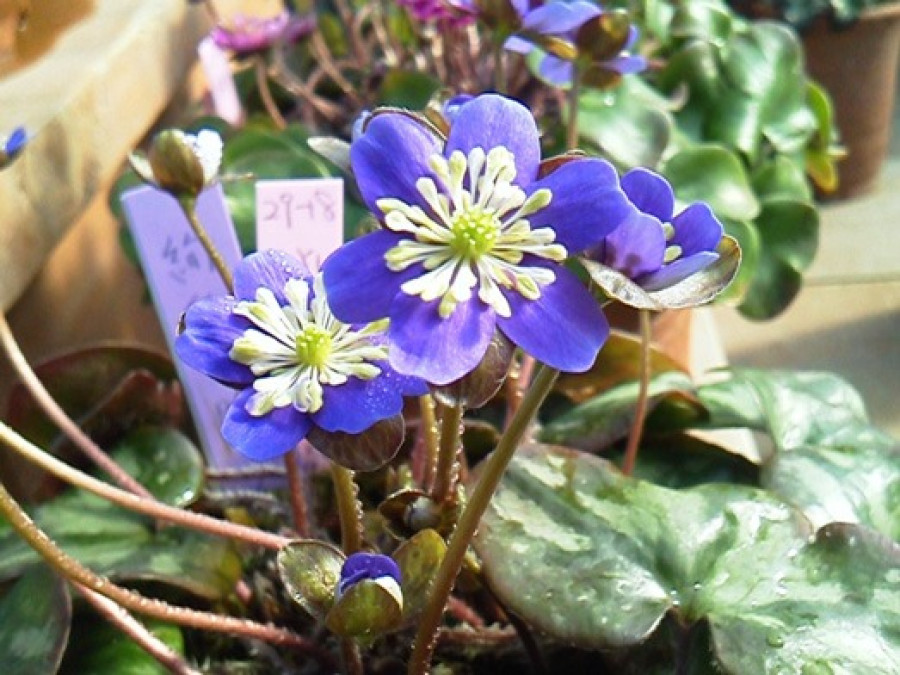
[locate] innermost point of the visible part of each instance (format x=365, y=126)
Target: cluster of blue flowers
x=475, y=235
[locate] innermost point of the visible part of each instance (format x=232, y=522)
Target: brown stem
x=79, y=574
x=640, y=410
x=137, y=632
x=265, y=93
x=296, y=489
x=447, y=469
x=59, y=416
x=127, y=500
x=429, y=435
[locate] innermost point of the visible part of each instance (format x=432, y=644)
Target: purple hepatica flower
x=298, y=367
x=473, y=240
x=560, y=23
x=654, y=248
x=373, y=567
x=248, y=34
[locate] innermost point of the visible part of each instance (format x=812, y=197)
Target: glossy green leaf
x=789, y=236
x=97, y=648
x=418, y=559
x=407, y=89
x=747, y=236
x=607, y=417
x=311, y=571
x=164, y=461
x=597, y=559
x=630, y=124
x=35, y=617
x=713, y=174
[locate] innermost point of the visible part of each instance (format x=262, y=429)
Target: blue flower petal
x=556, y=70
x=557, y=18
x=435, y=349
x=272, y=269
x=263, y=438
x=210, y=330
x=390, y=157
x=696, y=229
x=650, y=192
x=587, y=203
x=362, y=565
x=678, y=271
x=636, y=247
x=16, y=141
x=360, y=287
x=519, y=45
x=564, y=328
x=489, y=121
x=627, y=64
x=357, y=404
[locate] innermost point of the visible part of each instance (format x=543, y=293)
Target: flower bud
x=179, y=163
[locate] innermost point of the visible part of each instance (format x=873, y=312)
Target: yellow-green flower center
x=313, y=346
x=474, y=235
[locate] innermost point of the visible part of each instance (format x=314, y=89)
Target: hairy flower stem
x=349, y=511
x=572, y=122
x=127, y=500
x=74, y=571
x=265, y=92
x=59, y=416
x=640, y=410
x=429, y=435
x=479, y=500
x=297, y=492
x=189, y=206
x=119, y=617
x=447, y=470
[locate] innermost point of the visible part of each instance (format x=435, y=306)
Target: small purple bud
x=361, y=566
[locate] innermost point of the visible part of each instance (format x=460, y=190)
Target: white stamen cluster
x=294, y=350
x=474, y=233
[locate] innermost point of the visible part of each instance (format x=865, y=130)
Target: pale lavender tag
x=179, y=272
x=301, y=216
x=222, y=89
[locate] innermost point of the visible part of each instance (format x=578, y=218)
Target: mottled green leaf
x=97, y=648
x=35, y=617
x=598, y=559
x=713, y=174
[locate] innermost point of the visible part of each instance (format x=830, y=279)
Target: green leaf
x=164, y=461
x=35, y=617
x=712, y=174
x=407, y=89
x=597, y=559
x=629, y=124
x=418, y=559
x=97, y=648
x=607, y=417
x=311, y=571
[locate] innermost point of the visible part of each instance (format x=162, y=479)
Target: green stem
x=59, y=416
x=132, y=502
x=297, y=493
x=640, y=410
x=429, y=434
x=572, y=122
x=74, y=571
x=188, y=205
x=468, y=522
x=447, y=465
x=348, y=508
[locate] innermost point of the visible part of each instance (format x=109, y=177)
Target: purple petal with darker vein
x=636, y=247
x=650, y=192
x=696, y=229
x=556, y=18
x=270, y=268
x=488, y=121
x=390, y=157
x=435, y=349
x=677, y=271
x=564, y=328
x=357, y=404
x=587, y=203
x=210, y=330
x=267, y=437
x=556, y=70
x=360, y=287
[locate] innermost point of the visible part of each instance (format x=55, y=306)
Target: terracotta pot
x=858, y=67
